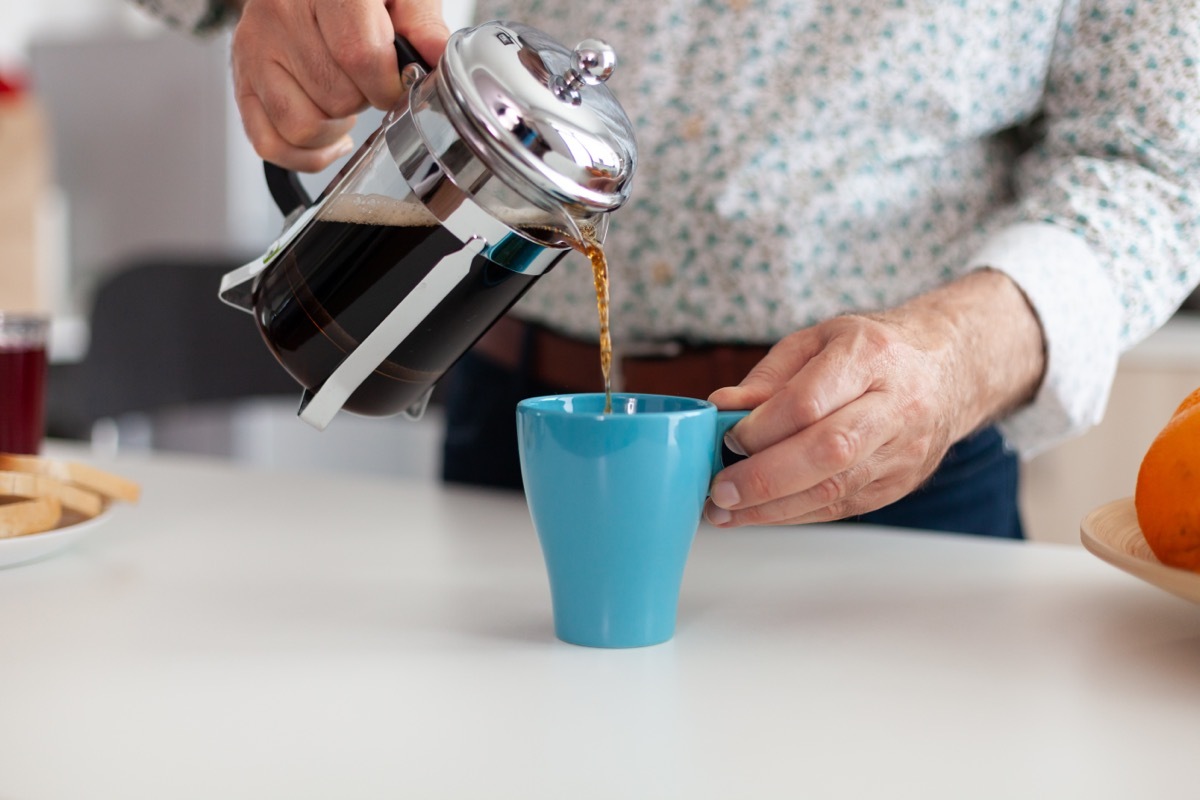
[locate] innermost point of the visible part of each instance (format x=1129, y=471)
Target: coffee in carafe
x=476, y=184
x=337, y=281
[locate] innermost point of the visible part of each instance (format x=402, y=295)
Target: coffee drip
x=590, y=246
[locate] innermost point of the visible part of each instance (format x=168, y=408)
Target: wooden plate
x=1111, y=532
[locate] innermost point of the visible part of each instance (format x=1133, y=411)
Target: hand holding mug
x=857, y=411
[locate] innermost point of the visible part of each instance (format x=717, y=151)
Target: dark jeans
x=974, y=490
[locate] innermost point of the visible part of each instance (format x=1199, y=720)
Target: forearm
x=988, y=344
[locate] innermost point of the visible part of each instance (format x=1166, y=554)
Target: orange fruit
x=1167, y=499
x=1190, y=401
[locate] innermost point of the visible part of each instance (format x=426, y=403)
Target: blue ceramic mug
x=616, y=500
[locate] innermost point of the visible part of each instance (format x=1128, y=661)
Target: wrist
x=986, y=345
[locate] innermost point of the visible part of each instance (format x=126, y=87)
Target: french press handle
x=287, y=191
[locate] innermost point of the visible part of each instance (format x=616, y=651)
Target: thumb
x=753, y=391
x=768, y=376
x=422, y=23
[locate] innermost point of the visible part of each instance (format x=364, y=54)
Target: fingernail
x=718, y=516
x=345, y=147
x=725, y=495
x=733, y=445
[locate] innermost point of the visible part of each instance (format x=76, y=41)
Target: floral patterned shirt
x=800, y=159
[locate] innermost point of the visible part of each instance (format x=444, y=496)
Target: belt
x=571, y=365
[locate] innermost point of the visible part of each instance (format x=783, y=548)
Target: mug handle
x=725, y=421
x=285, y=187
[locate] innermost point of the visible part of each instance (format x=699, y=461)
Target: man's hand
x=856, y=412
x=303, y=68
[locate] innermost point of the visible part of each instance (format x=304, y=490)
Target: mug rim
x=543, y=405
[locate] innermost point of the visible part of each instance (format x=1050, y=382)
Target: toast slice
x=29, y=486
x=85, y=477
x=36, y=515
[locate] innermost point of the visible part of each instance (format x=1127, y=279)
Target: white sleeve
x=1081, y=319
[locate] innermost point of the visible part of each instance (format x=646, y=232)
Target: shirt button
x=738, y=5
x=693, y=128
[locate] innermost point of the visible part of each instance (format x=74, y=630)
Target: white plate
x=34, y=546
x=1112, y=533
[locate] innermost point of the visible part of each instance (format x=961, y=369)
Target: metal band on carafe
x=444, y=173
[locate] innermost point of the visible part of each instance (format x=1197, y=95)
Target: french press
x=474, y=185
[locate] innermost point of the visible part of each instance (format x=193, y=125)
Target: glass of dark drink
x=22, y=382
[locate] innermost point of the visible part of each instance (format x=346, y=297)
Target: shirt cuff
x=1080, y=316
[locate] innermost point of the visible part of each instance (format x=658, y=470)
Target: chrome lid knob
x=592, y=63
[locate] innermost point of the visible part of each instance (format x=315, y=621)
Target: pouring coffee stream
x=499, y=161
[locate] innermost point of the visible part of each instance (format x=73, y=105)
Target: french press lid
x=540, y=113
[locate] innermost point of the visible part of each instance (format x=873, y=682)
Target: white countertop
x=256, y=635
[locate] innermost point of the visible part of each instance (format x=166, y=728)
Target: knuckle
x=328, y=88
x=829, y=491
x=917, y=451
x=253, y=34
x=882, y=342
x=806, y=410
x=766, y=373
x=836, y=511
x=839, y=450
x=801, y=406
x=922, y=396
x=301, y=130
x=340, y=105
x=793, y=348
x=275, y=104
x=356, y=56
x=882, y=336
x=758, y=485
